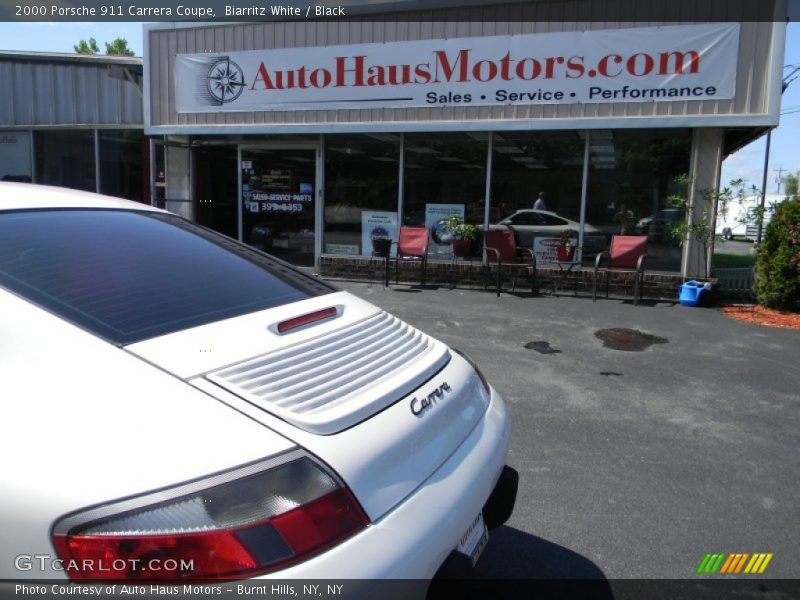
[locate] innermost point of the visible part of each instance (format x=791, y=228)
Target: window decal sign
x=377, y=224
x=646, y=64
x=435, y=216
x=545, y=249
x=15, y=156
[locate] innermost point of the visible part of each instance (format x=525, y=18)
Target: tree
x=778, y=261
x=791, y=185
x=700, y=226
x=119, y=47
x=90, y=47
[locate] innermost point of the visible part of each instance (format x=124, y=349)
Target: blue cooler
x=690, y=293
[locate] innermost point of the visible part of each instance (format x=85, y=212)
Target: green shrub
x=778, y=263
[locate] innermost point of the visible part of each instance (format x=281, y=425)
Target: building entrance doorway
x=215, y=188
x=279, y=191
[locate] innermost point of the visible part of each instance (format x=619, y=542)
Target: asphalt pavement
x=633, y=464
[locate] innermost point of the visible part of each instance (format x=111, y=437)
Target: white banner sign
x=545, y=249
x=648, y=64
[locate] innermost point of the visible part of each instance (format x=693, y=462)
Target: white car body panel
x=412, y=541
x=76, y=433
x=92, y=423
x=387, y=457
x=403, y=449
x=198, y=350
x=20, y=196
x=594, y=238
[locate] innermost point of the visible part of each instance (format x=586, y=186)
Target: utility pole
x=779, y=180
x=763, y=190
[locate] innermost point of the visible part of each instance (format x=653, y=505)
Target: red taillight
x=318, y=315
x=321, y=523
x=242, y=527
x=213, y=555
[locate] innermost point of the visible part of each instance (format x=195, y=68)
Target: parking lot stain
x=627, y=340
x=542, y=347
x=610, y=374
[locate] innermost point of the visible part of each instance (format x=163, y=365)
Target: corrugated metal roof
x=71, y=57
x=43, y=89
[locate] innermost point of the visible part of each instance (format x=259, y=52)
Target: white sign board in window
x=15, y=156
x=377, y=224
x=440, y=236
x=645, y=64
x=545, y=249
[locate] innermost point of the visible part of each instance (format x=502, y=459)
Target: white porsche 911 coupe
x=179, y=406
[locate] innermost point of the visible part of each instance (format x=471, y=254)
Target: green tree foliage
x=778, y=262
x=119, y=47
x=700, y=226
x=791, y=185
x=84, y=47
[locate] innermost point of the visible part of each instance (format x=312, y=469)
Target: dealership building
x=309, y=137
x=75, y=121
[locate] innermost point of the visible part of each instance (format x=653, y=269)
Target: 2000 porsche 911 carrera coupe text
x=180, y=406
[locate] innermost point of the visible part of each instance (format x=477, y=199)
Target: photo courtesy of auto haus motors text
x=639, y=64
x=278, y=589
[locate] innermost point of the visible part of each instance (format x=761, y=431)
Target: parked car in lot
x=530, y=224
x=658, y=227
x=180, y=406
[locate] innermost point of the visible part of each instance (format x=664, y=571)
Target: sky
x=747, y=164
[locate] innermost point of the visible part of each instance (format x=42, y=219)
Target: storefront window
x=444, y=171
x=122, y=154
x=15, y=156
x=631, y=174
x=526, y=164
x=361, y=181
x=65, y=158
x=278, y=193
x=215, y=182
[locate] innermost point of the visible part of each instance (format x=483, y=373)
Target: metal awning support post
x=488, y=191
x=584, y=189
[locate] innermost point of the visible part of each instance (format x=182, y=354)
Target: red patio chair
x=627, y=254
x=501, y=246
x=412, y=246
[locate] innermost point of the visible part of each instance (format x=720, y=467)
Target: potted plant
x=567, y=242
x=463, y=234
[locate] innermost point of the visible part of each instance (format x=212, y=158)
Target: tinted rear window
x=129, y=276
x=526, y=219
x=551, y=220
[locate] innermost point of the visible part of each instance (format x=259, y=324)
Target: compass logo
x=225, y=81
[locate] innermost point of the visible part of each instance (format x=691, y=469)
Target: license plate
x=474, y=539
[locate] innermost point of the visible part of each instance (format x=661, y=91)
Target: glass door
x=215, y=184
x=278, y=208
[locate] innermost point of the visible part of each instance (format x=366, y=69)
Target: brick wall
x=473, y=275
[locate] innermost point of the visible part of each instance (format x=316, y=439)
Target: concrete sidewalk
x=632, y=464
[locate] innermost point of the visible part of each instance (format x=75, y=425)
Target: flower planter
x=565, y=253
x=381, y=247
x=461, y=247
